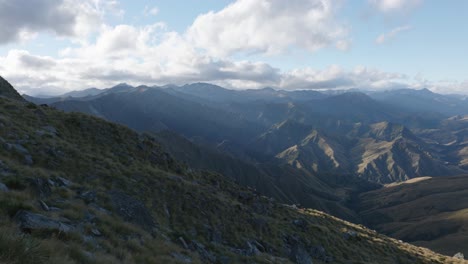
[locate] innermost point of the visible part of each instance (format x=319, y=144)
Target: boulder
x=41, y=186
x=132, y=210
x=88, y=196
x=349, y=235
x=459, y=255
x=35, y=222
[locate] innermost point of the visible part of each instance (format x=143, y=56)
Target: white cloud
x=268, y=27
x=395, y=6
x=385, y=37
x=151, y=11
x=22, y=20
x=343, y=45
x=152, y=54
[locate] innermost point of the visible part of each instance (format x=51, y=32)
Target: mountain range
x=334, y=152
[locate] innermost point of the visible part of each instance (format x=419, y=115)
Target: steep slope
x=283, y=182
x=6, y=90
x=77, y=189
x=389, y=152
x=316, y=153
x=431, y=212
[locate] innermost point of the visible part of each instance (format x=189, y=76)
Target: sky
x=50, y=47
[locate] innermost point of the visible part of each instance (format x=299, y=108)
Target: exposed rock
x=132, y=210
x=254, y=248
x=204, y=253
x=3, y=188
x=319, y=252
x=30, y=221
x=184, y=244
x=28, y=160
x=89, y=196
x=181, y=257
x=44, y=206
x=459, y=255
x=50, y=129
x=300, y=223
x=4, y=170
x=41, y=186
x=96, y=232
x=348, y=235
x=300, y=255
x=60, y=181
x=19, y=148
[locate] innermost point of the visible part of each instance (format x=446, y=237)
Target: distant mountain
x=152, y=109
x=218, y=94
x=423, y=101
x=83, y=93
x=349, y=132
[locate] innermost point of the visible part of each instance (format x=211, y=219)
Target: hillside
x=77, y=189
x=430, y=212
x=7, y=91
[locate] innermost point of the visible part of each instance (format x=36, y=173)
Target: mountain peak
x=8, y=91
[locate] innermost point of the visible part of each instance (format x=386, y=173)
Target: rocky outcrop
x=132, y=210
x=29, y=222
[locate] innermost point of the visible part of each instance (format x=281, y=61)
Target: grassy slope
x=431, y=212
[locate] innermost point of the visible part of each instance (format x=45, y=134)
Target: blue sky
x=300, y=44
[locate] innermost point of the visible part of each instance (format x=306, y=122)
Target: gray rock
x=182, y=241
x=89, y=196
x=319, y=252
x=50, y=129
x=132, y=210
x=301, y=223
x=252, y=249
x=348, y=235
x=459, y=255
x=30, y=221
x=19, y=148
x=300, y=256
x=44, y=206
x=181, y=257
x=60, y=181
x=41, y=186
x=96, y=232
x=204, y=253
x=3, y=188
x=28, y=160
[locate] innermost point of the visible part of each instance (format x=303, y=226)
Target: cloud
x=268, y=27
x=153, y=54
x=151, y=11
x=21, y=20
x=385, y=37
x=395, y=6
x=335, y=77
x=343, y=45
